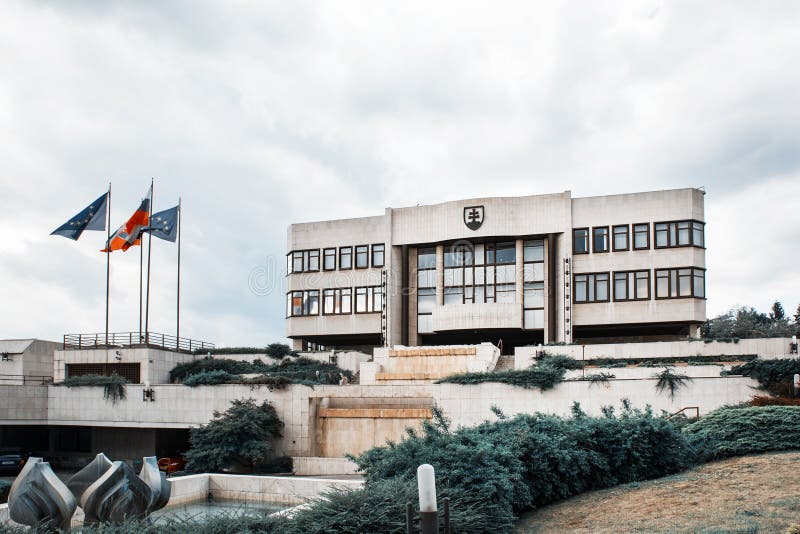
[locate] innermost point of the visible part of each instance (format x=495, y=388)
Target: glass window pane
x=534, y=250
x=506, y=274
x=640, y=235
x=426, y=300
x=534, y=319
x=346, y=258
x=453, y=295
x=505, y=253
x=620, y=237
x=313, y=260
x=533, y=295
x=297, y=303
x=580, y=288
x=479, y=254
x=699, y=283
x=642, y=286
x=377, y=255
x=580, y=241
x=698, y=237
x=377, y=299
x=602, y=287
x=683, y=233
x=506, y=293
x=347, y=301
x=362, y=261
x=661, y=235
x=426, y=258
x=361, y=299
x=328, y=301
x=600, y=239
x=620, y=286
x=479, y=294
x=533, y=272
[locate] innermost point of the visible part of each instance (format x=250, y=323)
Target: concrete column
x=440, y=275
x=547, y=316
x=297, y=344
x=519, y=270
x=413, y=336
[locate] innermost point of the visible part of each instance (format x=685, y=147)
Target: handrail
x=695, y=408
x=134, y=339
x=26, y=379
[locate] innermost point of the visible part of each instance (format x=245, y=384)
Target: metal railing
x=683, y=411
x=134, y=339
x=38, y=380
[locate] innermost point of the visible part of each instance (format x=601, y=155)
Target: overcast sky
x=261, y=114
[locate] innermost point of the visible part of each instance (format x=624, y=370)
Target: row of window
x=637, y=236
x=635, y=285
x=305, y=261
x=335, y=301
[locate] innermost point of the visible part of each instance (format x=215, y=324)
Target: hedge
x=749, y=430
x=295, y=371
x=775, y=376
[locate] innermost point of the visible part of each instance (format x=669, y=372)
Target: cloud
x=260, y=115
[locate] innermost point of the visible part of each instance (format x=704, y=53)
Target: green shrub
x=512, y=465
x=279, y=351
x=113, y=386
x=242, y=434
x=670, y=381
x=559, y=361
x=210, y=378
x=273, y=350
x=738, y=431
x=542, y=377
x=775, y=376
x=296, y=371
x=599, y=378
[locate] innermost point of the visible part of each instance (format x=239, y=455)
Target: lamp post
x=428, y=513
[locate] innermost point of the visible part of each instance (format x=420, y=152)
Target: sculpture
x=38, y=498
x=107, y=491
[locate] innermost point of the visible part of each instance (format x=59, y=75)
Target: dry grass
x=753, y=494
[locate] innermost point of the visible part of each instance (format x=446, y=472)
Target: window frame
x=488, y=290
x=303, y=292
x=372, y=254
x=588, y=240
x=594, y=240
x=627, y=228
x=677, y=280
x=337, y=299
x=633, y=236
x=349, y=249
x=675, y=232
x=355, y=254
x=370, y=299
x=325, y=256
x=594, y=275
x=628, y=274
x=304, y=255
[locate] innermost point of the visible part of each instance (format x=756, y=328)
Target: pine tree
x=777, y=313
x=797, y=316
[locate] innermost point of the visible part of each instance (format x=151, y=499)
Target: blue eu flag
x=93, y=217
x=164, y=224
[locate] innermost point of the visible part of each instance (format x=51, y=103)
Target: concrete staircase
x=505, y=363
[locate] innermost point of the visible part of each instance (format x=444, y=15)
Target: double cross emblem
x=473, y=217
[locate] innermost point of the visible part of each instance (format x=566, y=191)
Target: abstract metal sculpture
x=108, y=492
x=38, y=498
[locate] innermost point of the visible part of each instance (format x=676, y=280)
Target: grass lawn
x=751, y=494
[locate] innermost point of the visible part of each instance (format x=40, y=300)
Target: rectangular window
x=476, y=274
x=698, y=234
x=337, y=301
x=621, y=237
x=378, y=255
x=302, y=303
x=426, y=258
x=590, y=287
x=641, y=236
x=297, y=261
x=533, y=305
x=329, y=259
x=580, y=241
x=345, y=257
x=600, y=239
x=369, y=299
x=533, y=251
x=313, y=260
x=631, y=285
x=426, y=301
x=679, y=234
x=683, y=282
x=362, y=256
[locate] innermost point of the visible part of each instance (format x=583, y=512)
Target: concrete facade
x=26, y=361
x=527, y=274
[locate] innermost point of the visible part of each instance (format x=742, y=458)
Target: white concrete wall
x=318, y=466
x=475, y=316
x=23, y=404
x=34, y=364
x=767, y=348
x=155, y=364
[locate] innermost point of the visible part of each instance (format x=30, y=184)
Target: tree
x=777, y=313
x=797, y=316
x=279, y=351
x=242, y=434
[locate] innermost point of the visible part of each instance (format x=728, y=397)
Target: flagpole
x=108, y=257
x=178, y=314
x=141, y=268
x=149, y=248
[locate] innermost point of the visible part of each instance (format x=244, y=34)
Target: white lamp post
x=428, y=513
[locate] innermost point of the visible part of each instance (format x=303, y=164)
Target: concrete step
x=505, y=363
